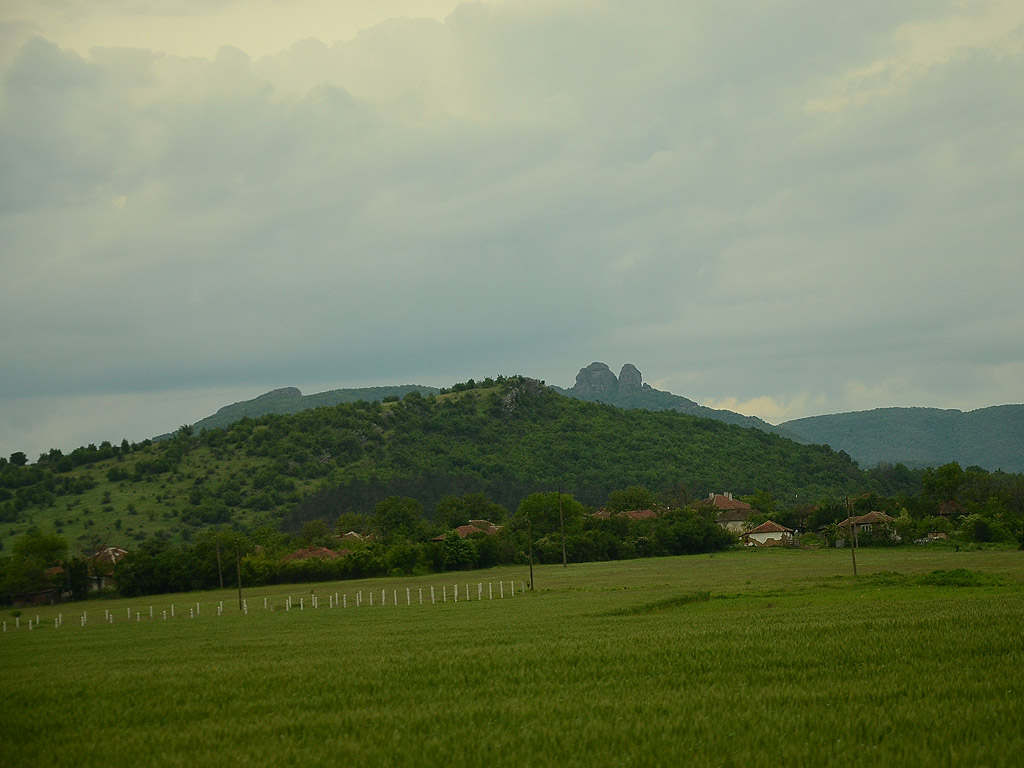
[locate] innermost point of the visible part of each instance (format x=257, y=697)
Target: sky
x=782, y=208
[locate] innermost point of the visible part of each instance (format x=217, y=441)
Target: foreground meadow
x=747, y=658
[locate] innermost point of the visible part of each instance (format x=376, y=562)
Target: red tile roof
x=310, y=552
x=770, y=526
x=724, y=501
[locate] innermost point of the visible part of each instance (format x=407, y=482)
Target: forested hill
x=507, y=440
x=992, y=438
x=291, y=400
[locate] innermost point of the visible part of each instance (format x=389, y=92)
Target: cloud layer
x=782, y=207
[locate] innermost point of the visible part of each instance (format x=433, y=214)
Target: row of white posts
x=332, y=602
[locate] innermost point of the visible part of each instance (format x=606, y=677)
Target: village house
x=101, y=568
x=768, y=534
x=865, y=524
x=732, y=514
x=309, y=553
x=473, y=528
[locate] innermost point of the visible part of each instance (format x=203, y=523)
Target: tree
x=19, y=459
x=459, y=553
x=50, y=548
x=634, y=497
x=398, y=517
x=315, y=533
x=543, y=511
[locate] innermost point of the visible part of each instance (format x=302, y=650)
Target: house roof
x=951, y=508
x=310, y=552
x=868, y=519
x=734, y=516
x=473, y=528
x=770, y=526
x=110, y=555
x=724, y=501
x=104, y=560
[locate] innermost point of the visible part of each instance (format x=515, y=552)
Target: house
x=950, y=509
x=768, y=534
x=732, y=513
x=865, y=524
x=323, y=553
x=473, y=528
x=101, y=568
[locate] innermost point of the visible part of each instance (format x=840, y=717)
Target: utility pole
x=220, y=570
x=561, y=524
x=853, y=535
x=529, y=546
x=238, y=570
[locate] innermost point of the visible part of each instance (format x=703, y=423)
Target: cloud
x=751, y=203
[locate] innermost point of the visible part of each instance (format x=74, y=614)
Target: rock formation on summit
x=595, y=382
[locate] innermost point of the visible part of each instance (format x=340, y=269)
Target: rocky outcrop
x=630, y=380
x=596, y=382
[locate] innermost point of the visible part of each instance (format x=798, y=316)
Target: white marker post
x=408, y=596
x=172, y=610
x=394, y=597
x=344, y=601
x=383, y=597
x=165, y=615
x=480, y=591
x=444, y=593
x=490, y=591
x=421, y=595
x=432, y=600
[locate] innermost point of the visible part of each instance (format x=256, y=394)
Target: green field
x=777, y=657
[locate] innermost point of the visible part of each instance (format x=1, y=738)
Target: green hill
x=507, y=440
x=291, y=400
x=992, y=438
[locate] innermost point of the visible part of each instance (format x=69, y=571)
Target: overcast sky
x=782, y=208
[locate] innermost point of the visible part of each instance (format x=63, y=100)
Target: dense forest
x=405, y=471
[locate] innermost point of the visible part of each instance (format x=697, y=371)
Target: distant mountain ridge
x=992, y=438
x=291, y=400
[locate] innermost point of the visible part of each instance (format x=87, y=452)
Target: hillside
x=506, y=440
x=992, y=438
x=291, y=400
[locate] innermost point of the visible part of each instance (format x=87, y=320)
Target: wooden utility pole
x=853, y=535
x=238, y=570
x=561, y=524
x=220, y=570
x=529, y=546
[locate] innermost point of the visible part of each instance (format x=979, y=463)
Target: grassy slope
x=792, y=662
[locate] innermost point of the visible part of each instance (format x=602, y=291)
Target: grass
x=748, y=658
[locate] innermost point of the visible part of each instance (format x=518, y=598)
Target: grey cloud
x=523, y=184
